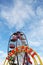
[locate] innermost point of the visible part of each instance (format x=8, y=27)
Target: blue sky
x=25, y=16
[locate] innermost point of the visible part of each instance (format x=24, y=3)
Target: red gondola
x=14, y=38
x=12, y=46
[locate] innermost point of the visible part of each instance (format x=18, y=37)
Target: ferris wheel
x=19, y=53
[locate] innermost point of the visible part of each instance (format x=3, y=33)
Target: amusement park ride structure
x=19, y=53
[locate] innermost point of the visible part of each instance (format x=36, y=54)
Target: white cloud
x=35, y=36
x=2, y=57
x=3, y=54
x=1, y=63
x=39, y=11
x=28, y=1
x=34, y=43
x=41, y=21
x=17, y=15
